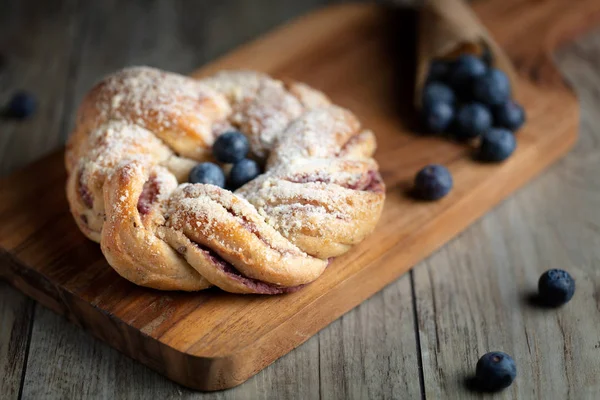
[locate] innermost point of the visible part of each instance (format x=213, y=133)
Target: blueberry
x=556, y=287
x=487, y=56
x=438, y=70
x=509, y=115
x=492, y=88
x=231, y=147
x=21, y=105
x=208, y=173
x=497, y=145
x=495, y=371
x=472, y=120
x=242, y=172
x=464, y=70
x=437, y=116
x=433, y=182
x=435, y=92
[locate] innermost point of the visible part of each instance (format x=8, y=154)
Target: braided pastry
x=140, y=131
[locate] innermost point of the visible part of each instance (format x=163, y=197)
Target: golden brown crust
x=141, y=130
x=129, y=240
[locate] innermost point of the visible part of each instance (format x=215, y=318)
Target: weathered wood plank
x=16, y=313
x=38, y=40
x=371, y=352
x=473, y=295
x=36, y=43
x=181, y=38
x=411, y=229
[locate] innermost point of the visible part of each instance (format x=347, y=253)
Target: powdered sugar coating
x=139, y=132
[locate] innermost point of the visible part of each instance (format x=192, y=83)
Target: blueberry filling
x=371, y=182
x=148, y=196
x=84, y=192
x=255, y=285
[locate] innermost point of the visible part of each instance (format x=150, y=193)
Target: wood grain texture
x=213, y=340
x=288, y=377
x=370, y=353
x=474, y=295
x=36, y=44
x=16, y=313
x=184, y=36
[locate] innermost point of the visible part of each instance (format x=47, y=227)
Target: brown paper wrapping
x=448, y=28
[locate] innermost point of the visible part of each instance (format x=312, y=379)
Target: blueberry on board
x=433, y=182
x=491, y=88
x=464, y=70
x=509, y=115
x=556, y=287
x=242, y=172
x=437, y=92
x=437, y=116
x=495, y=371
x=21, y=105
x=497, y=145
x=207, y=173
x=231, y=147
x=438, y=70
x=472, y=120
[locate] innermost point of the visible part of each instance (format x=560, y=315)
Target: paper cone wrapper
x=449, y=28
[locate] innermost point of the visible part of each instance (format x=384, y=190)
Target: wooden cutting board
x=363, y=57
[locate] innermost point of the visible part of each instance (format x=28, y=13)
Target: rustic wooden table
x=419, y=337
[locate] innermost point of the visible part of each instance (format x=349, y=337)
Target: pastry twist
x=140, y=131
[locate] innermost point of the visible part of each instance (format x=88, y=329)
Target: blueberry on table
x=509, y=115
x=242, y=172
x=492, y=88
x=435, y=92
x=438, y=70
x=231, y=147
x=21, y=105
x=437, y=116
x=495, y=371
x=207, y=173
x=472, y=120
x=433, y=182
x=497, y=145
x=464, y=70
x=556, y=287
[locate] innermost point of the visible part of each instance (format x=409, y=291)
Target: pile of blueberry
x=229, y=148
x=468, y=99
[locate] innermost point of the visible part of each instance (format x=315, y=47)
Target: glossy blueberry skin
x=207, y=173
x=472, y=120
x=242, y=172
x=497, y=145
x=435, y=92
x=556, y=287
x=438, y=70
x=433, y=182
x=464, y=70
x=495, y=371
x=231, y=147
x=509, y=115
x=22, y=105
x=437, y=117
x=491, y=88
